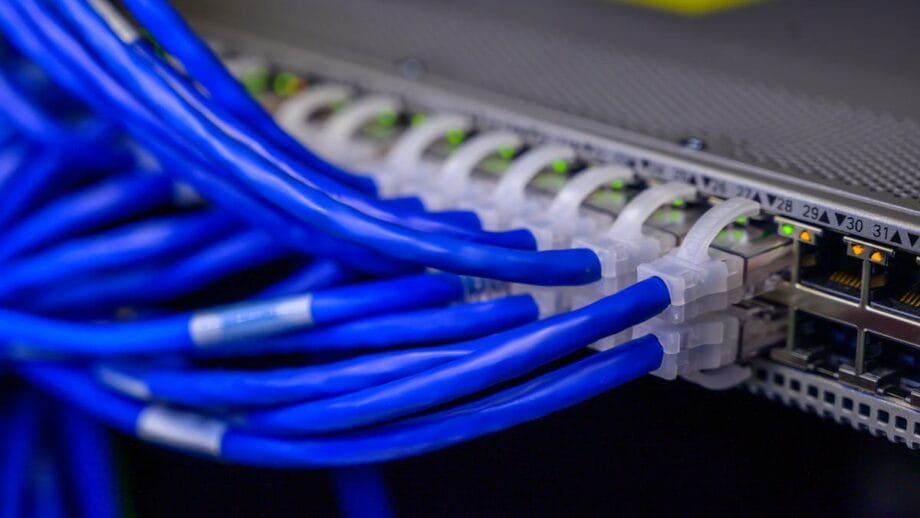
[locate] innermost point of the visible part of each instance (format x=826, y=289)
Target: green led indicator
x=455, y=137
x=679, y=202
x=741, y=221
x=286, y=84
x=506, y=152
x=617, y=184
x=387, y=118
x=560, y=166
x=418, y=118
x=738, y=235
x=787, y=229
x=256, y=81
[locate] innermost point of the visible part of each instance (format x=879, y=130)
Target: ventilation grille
x=829, y=399
x=874, y=154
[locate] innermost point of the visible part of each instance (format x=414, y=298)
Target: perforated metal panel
x=804, y=116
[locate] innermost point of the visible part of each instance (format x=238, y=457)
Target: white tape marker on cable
x=249, y=320
x=183, y=430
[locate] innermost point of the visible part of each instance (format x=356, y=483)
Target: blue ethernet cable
x=551, y=267
x=84, y=78
x=246, y=389
x=88, y=463
x=362, y=492
x=19, y=432
x=26, y=334
x=539, y=397
x=497, y=358
x=128, y=245
x=396, y=330
x=384, y=210
x=25, y=185
x=103, y=203
x=321, y=273
x=160, y=283
x=404, y=211
x=166, y=25
x=213, y=187
x=21, y=112
x=45, y=495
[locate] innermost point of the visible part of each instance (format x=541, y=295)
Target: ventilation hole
x=900, y=423
x=762, y=374
x=795, y=385
x=829, y=398
x=917, y=428
x=779, y=379
x=883, y=416
x=847, y=404
x=812, y=391
x=864, y=410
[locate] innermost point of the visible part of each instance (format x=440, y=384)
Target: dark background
x=651, y=447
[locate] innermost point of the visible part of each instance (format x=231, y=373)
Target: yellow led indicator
x=690, y=7
x=287, y=84
x=857, y=250
x=805, y=236
x=876, y=257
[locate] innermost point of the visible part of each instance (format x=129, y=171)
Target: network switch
x=835, y=327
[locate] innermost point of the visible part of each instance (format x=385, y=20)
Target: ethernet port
x=896, y=366
x=833, y=343
x=899, y=291
x=818, y=344
x=827, y=267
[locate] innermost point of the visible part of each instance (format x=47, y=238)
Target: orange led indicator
x=858, y=249
x=876, y=257
x=805, y=236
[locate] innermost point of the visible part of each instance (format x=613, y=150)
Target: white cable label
x=179, y=429
x=249, y=320
x=120, y=26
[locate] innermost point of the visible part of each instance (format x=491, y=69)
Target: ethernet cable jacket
x=271, y=266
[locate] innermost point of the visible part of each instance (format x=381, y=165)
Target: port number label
x=880, y=231
x=853, y=224
x=811, y=212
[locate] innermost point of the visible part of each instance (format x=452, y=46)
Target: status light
x=805, y=236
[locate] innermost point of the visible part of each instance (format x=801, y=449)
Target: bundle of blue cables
x=180, y=269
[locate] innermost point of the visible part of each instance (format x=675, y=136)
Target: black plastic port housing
x=898, y=365
x=834, y=342
x=826, y=266
x=900, y=291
